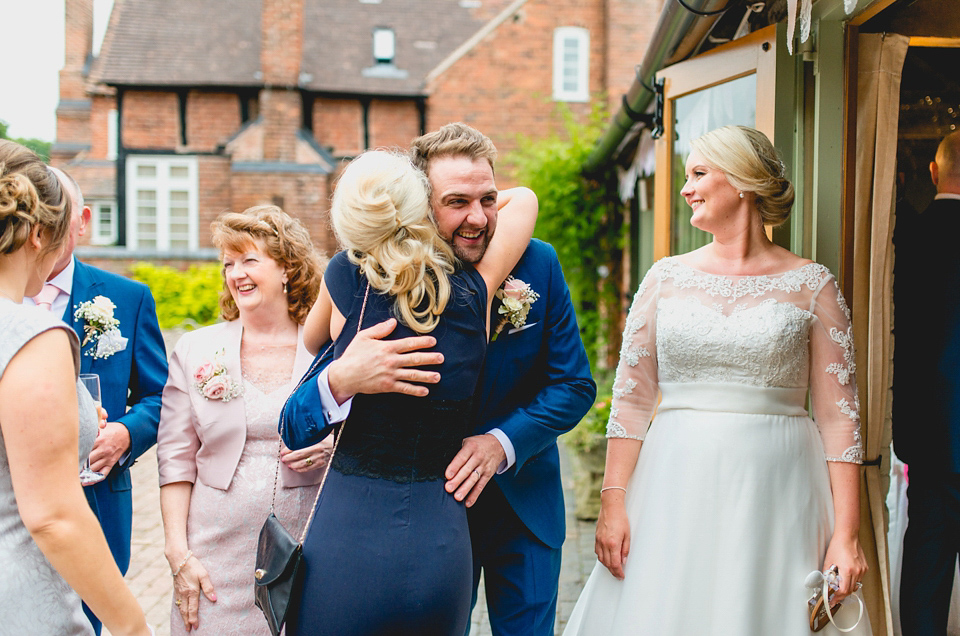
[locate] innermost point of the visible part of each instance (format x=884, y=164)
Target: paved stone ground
x=149, y=574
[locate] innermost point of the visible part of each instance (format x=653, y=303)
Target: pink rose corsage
x=213, y=382
x=517, y=297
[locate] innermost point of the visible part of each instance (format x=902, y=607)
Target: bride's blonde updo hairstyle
x=752, y=165
x=381, y=214
x=285, y=240
x=30, y=195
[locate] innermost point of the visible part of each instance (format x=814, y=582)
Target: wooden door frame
x=752, y=54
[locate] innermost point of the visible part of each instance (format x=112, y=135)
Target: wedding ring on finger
x=177, y=602
x=859, y=585
x=477, y=472
x=309, y=461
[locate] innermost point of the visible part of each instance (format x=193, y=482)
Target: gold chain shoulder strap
x=336, y=441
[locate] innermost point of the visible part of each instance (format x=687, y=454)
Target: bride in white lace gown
x=737, y=494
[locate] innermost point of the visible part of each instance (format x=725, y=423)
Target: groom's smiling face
x=464, y=201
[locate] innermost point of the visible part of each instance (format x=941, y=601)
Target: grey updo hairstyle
x=30, y=195
x=752, y=165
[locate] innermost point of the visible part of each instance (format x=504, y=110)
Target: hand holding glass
x=92, y=383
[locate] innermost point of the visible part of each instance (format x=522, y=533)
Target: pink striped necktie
x=46, y=296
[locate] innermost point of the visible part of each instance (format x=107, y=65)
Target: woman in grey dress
x=51, y=546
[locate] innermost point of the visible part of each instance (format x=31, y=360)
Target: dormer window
x=384, y=46
x=384, y=56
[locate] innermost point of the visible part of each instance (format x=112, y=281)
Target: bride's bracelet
x=605, y=488
x=182, y=563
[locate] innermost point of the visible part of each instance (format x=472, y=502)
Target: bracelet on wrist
x=182, y=563
x=605, y=488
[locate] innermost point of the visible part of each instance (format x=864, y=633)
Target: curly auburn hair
x=285, y=240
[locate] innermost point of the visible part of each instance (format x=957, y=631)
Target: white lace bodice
x=790, y=330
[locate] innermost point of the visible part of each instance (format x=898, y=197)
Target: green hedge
x=184, y=299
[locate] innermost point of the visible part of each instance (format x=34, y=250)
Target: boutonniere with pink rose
x=100, y=326
x=516, y=297
x=213, y=381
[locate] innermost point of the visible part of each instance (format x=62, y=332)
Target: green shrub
x=580, y=216
x=184, y=299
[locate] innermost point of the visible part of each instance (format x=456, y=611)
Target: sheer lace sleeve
x=635, y=387
x=833, y=385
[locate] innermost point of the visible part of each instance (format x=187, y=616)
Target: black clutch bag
x=279, y=572
x=280, y=567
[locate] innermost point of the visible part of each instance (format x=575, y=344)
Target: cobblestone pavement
x=149, y=574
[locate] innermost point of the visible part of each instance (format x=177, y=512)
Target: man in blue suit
x=131, y=379
x=926, y=391
x=536, y=386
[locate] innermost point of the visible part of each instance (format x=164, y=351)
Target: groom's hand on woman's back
x=371, y=364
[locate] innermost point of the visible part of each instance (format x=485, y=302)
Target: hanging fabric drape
x=881, y=60
x=803, y=10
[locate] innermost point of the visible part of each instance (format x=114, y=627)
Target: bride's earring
x=741, y=195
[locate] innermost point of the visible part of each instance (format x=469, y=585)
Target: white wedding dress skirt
x=730, y=509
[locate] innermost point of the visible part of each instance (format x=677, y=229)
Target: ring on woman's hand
x=309, y=461
x=859, y=585
x=477, y=472
x=177, y=602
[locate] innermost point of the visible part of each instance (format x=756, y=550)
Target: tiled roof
x=97, y=179
x=184, y=43
x=217, y=42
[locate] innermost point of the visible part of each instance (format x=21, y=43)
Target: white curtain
x=881, y=59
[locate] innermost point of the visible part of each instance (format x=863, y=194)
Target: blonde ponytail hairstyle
x=381, y=214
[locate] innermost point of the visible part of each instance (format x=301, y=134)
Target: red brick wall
x=99, y=126
x=73, y=126
x=393, y=123
x=339, y=123
x=630, y=25
x=213, y=186
x=78, y=38
x=212, y=118
x=304, y=196
x=280, y=110
x=504, y=86
x=151, y=119
x=281, y=43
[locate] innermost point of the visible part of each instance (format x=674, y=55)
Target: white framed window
x=113, y=126
x=162, y=202
x=103, y=222
x=571, y=64
x=384, y=46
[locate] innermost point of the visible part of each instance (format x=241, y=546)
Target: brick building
x=193, y=107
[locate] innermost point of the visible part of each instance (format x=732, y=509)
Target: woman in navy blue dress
x=388, y=551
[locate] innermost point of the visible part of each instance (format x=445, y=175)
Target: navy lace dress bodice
x=389, y=549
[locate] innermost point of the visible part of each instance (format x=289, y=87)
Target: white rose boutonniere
x=100, y=327
x=213, y=382
x=517, y=297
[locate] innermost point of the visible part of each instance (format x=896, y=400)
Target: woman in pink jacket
x=217, y=443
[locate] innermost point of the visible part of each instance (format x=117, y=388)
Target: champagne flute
x=92, y=383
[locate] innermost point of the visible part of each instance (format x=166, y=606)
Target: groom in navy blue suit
x=131, y=379
x=536, y=386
